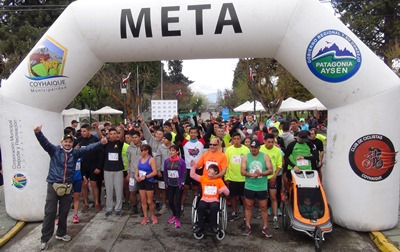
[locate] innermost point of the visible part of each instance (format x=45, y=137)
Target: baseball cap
x=74, y=121
x=255, y=143
x=301, y=120
x=303, y=134
x=136, y=125
x=68, y=136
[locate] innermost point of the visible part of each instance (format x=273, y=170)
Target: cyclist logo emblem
x=372, y=157
x=333, y=56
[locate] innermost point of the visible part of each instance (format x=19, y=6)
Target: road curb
x=10, y=234
x=382, y=242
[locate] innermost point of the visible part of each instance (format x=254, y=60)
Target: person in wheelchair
x=211, y=190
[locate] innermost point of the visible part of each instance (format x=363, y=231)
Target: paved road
x=97, y=233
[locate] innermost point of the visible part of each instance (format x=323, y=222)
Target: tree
x=271, y=84
x=22, y=23
x=376, y=23
x=175, y=72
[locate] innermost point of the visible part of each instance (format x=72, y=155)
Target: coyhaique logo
x=372, y=157
x=46, y=67
x=332, y=56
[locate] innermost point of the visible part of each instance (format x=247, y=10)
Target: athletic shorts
x=236, y=188
x=77, y=186
x=191, y=182
x=145, y=185
x=260, y=195
x=90, y=175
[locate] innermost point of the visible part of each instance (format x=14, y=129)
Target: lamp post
x=253, y=73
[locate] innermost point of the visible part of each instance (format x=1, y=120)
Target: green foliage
x=175, y=73
x=376, y=23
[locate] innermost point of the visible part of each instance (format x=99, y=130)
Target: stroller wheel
x=285, y=217
x=199, y=235
x=317, y=239
x=221, y=235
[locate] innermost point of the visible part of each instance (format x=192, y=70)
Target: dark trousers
x=50, y=212
x=201, y=209
x=174, y=194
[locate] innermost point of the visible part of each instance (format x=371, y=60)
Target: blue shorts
x=77, y=186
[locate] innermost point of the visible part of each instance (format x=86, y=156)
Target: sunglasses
x=212, y=144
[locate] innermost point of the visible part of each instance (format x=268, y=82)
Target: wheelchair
x=222, y=219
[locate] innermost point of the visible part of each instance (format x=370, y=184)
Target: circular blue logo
x=19, y=181
x=333, y=56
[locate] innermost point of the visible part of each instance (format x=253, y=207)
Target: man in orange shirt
x=213, y=156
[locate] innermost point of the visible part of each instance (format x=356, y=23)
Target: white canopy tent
x=73, y=114
x=315, y=104
x=249, y=106
x=107, y=110
x=291, y=104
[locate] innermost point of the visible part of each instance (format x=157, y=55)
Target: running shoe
x=234, y=216
x=97, y=208
x=177, y=223
x=44, y=246
x=163, y=210
x=171, y=220
x=85, y=208
x=144, y=221
x=108, y=213
x=275, y=222
x=75, y=219
x=118, y=213
x=65, y=238
x=154, y=220
x=247, y=230
x=265, y=231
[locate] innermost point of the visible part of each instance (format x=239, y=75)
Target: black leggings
x=202, y=207
x=174, y=194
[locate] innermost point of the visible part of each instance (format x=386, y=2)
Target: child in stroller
x=309, y=210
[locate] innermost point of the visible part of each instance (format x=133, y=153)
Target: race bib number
x=302, y=162
x=112, y=156
x=210, y=190
x=78, y=165
x=142, y=174
x=236, y=160
x=173, y=174
x=208, y=163
x=132, y=181
x=250, y=131
x=161, y=184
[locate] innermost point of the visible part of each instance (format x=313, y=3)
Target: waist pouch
x=62, y=189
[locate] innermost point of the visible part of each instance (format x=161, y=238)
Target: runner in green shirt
x=233, y=177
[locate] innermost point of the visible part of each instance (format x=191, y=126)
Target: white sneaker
x=65, y=238
x=44, y=246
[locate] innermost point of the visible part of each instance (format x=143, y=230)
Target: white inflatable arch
x=360, y=91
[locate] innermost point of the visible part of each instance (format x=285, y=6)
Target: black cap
x=303, y=134
x=136, y=125
x=167, y=123
x=68, y=136
x=168, y=136
x=74, y=121
x=255, y=143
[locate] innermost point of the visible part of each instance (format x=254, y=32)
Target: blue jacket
x=60, y=158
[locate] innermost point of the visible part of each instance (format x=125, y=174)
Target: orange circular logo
x=372, y=157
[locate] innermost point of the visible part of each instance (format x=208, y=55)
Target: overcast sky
x=213, y=74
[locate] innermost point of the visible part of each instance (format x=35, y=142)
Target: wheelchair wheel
x=317, y=239
x=221, y=235
x=285, y=217
x=224, y=215
x=194, y=211
x=198, y=236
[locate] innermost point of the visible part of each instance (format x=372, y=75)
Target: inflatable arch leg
x=327, y=58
